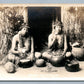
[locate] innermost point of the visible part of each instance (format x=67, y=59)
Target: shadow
x=12, y=72
x=41, y=65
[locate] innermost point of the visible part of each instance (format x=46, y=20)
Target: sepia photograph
x=41, y=42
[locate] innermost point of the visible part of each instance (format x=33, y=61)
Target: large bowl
x=57, y=61
x=72, y=66
x=25, y=63
x=78, y=53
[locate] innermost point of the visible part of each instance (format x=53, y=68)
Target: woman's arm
x=13, y=46
x=65, y=45
x=32, y=45
x=51, y=41
x=32, y=56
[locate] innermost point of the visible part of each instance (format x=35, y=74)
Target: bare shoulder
x=16, y=37
x=50, y=36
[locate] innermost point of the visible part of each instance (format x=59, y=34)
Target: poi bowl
x=57, y=61
x=78, y=53
x=25, y=63
x=72, y=67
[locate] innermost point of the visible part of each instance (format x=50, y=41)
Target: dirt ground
x=43, y=73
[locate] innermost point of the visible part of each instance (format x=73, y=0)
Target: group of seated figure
x=23, y=46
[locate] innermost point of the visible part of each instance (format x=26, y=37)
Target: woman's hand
x=22, y=50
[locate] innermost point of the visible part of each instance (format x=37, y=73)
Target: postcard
x=41, y=42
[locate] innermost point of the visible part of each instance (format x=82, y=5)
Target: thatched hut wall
x=73, y=19
x=11, y=19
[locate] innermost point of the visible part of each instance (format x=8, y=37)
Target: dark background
x=40, y=21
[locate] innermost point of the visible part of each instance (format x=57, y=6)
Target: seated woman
x=22, y=46
x=22, y=43
x=57, y=42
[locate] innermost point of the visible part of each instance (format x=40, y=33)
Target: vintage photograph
x=42, y=42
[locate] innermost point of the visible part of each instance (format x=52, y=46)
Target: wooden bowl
x=25, y=63
x=72, y=66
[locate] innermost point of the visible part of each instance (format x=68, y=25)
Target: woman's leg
x=46, y=55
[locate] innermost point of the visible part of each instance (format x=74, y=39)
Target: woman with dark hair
x=22, y=48
x=57, y=42
x=23, y=42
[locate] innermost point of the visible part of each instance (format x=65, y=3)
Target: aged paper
x=41, y=20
